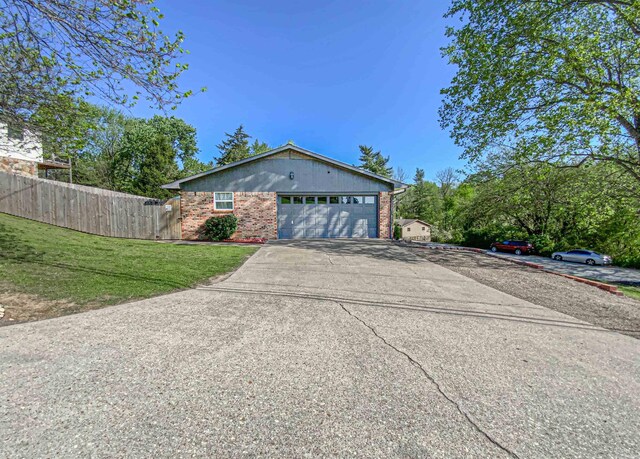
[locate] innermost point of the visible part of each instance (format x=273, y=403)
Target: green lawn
x=633, y=292
x=61, y=264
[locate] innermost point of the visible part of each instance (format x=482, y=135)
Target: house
x=414, y=230
x=21, y=151
x=289, y=193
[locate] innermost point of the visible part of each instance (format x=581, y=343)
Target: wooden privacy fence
x=88, y=209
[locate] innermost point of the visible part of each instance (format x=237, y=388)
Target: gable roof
x=409, y=221
x=396, y=184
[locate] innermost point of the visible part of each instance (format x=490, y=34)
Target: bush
x=397, y=232
x=483, y=236
x=544, y=245
x=220, y=228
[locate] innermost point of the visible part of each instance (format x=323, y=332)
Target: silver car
x=583, y=256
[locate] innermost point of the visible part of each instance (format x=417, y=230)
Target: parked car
x=583, y=256
x=517, y=247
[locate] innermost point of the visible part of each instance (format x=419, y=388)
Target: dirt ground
x=22, y=307
x=621, y=314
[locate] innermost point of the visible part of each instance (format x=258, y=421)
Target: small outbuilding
x=289, y=193
x=414, y=229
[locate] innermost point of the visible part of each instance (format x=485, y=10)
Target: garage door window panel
x=297, y=200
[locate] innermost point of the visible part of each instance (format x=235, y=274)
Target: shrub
x=220, y=228
x=397, y=232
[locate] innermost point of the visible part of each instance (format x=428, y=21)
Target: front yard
x=47, y=271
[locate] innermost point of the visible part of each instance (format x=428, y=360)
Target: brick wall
x=384, y=217
x=256, y=213
x=18, y=166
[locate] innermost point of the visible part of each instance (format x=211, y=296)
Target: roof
x=396, y=184
x=409, y=221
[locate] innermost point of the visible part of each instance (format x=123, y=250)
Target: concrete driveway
x=316, y=349
x=613, y=274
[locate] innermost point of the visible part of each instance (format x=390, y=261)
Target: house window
x=408, y=229
x=15, y=131
x=423, y=228
x=223, y=201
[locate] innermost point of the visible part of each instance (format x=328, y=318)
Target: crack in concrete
x=435, y=383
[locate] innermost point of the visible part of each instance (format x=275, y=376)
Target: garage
x=327, y=216
x=289, y=193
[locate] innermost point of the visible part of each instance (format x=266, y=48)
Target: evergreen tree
x=234, y=148
x=422, y=200
x=374, y=161
x=154, y=167
x=258, y=147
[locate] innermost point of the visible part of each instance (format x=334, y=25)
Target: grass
x=61, y=264
x=633, y=292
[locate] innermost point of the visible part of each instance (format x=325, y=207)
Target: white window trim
x=216, y=201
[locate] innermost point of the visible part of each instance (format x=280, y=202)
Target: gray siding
x=272, y=174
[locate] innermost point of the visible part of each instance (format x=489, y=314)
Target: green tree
x=50, y=49
x=258, y=147
x=70, y=122
x=546, y=81
x=422, y=200
x=373, y=161
x=234, y=148
x=154, y=168
x=136, y=155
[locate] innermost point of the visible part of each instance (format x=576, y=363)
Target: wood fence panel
x=88, y=209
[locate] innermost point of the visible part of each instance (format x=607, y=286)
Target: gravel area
x=620, y=314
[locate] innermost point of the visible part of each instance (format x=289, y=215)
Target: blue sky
x=328, y=75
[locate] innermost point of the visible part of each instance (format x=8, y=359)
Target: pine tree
x=374, y=161
x=258, y=147
x=234, y=148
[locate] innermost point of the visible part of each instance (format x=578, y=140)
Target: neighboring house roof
x=396, y=184
x=409, y=221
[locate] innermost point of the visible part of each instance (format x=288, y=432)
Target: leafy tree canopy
x=373, y=161
x=135, y=155
x=54, y=51
x=546, y=81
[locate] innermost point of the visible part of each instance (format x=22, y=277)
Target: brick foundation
x=18, y=166
x=384, y=215
x=256, y=213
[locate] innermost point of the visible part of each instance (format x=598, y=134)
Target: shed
x=414, y=229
